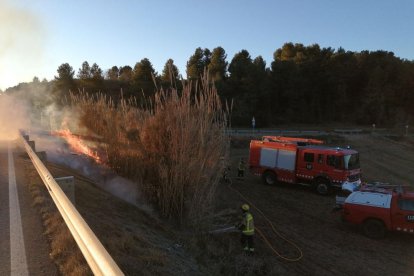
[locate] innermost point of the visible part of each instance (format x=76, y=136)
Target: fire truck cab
x=307, y=161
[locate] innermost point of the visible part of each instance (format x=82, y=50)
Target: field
x=305, y=218
x=139, y=241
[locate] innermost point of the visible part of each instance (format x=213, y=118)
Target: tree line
x=302, y=84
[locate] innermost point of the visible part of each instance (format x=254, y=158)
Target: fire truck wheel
x=322, y=186
x=269, y=178
x=373, y=229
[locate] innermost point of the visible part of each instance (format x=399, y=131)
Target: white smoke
x=59, y=152
x=14, y=115
x=21, y=44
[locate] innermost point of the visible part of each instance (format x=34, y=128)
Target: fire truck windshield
x=351, y=161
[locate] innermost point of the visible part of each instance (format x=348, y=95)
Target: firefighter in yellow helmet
x=246, y=226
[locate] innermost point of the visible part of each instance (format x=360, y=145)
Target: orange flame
x=77, y=145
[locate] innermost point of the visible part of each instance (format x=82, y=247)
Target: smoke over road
x=27, y=109
x=21, y=44
x=13, y=116
x=61, y=151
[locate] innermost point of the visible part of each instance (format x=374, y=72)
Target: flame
x=77, y=145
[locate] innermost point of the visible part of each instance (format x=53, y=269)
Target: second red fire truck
x=308, y=161
x=380, y=207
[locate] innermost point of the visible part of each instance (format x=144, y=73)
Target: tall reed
x=173, y=145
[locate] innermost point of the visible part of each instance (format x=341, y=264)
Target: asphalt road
x=24, y=249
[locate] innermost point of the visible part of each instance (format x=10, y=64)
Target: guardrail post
x=32, y=145
x=67, y=184
x=42, y=155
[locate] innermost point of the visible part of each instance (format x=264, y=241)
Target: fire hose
x=300, y=255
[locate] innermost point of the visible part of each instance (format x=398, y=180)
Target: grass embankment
x=63, y=249
x=138, y=242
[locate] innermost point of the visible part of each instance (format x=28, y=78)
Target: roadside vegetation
x=63, y=248
x=174, y=145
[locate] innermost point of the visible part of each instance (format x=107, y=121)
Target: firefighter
x=241, y=168
x=246, y=226
x=226, y=175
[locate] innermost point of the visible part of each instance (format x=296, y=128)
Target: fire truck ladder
x=292, y=140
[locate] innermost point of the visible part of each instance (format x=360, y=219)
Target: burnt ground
x=143, y=244
x=329, y=246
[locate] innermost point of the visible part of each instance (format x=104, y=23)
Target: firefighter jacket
x=247, y=224
x=242, y=166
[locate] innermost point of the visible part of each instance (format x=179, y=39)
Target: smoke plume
x=14, y=115
x=59, y=151
x=21, y=43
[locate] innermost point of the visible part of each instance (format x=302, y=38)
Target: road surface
x=24, y=249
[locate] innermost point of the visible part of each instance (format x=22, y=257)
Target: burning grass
x=78, y=145
x=172, y=144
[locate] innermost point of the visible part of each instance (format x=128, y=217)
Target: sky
x=36, y=36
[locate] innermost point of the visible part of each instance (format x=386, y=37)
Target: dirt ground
x=329, y=246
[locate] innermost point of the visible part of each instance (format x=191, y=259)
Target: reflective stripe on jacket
x=248, y=223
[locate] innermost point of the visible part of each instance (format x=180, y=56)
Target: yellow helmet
x=245, y=207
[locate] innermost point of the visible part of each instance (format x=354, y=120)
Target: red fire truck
x=380, y=207
x=307, y=161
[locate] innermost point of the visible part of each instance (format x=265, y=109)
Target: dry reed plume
x=173, y=144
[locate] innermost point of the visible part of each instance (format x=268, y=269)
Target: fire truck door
x=306, y=165
x=403, y=215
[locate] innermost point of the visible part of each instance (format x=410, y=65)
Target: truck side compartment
x=301, y=160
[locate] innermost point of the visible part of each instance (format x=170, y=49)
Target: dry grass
x=64, y=250
x=172, y=144
x=138, y=242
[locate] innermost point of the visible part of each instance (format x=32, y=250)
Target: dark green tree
x=218, y=65
x=64, y=82
x=96, y=72
x=304, y=84
x=240, y=66
x=125, y=73
x=241, y=88
x=113, y=73
x=170, y=74
x=65, y=73
x=195, y=65
x=143, y=77
x=264, y=107
x=84, y=73
x=206, y=57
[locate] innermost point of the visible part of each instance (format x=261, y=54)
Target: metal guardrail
x=99, y=260
x=281, y=132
